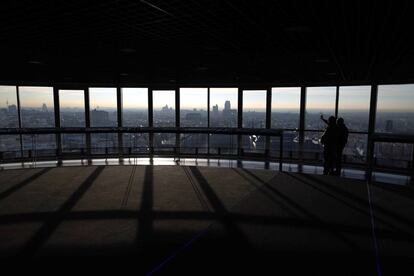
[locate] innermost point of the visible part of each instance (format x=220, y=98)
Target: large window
x=103, y=108
x=353, y=106
x=103, y=143
x=319, y=101
x=193, y=107
x=10, y=146
x=8, y=107
x=223, y=107
x=135, y=107
x=164, y=108
x=254, y=108
x=39, y=145
x=193, y=143
x=135, y=143
x=395, y=112
x=72, y=108
x=285, y=107
x=73, y=143
x=223, y=144
x=393, y=155
x=37, y=108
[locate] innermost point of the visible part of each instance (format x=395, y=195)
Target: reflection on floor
x=390, y=178
x=204, y=220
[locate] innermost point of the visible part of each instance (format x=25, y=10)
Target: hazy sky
x=135, y=98
x=193, y=98
x=160, y=98
x=35, y=97
x=102, y=98
x=254, y=100
x=220, y=95
x=319, y=99
x=396, y=97
x=71, y=99
x=7, y=93
x=285, y=99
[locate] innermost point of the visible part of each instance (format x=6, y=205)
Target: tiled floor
x=163, y=217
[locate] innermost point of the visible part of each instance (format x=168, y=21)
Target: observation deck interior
x=185, y=137
x=161, y=218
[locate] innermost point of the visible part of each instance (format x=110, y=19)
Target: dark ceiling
x=206, y=41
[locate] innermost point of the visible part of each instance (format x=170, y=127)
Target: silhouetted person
x=342, y=136
x=329, y=140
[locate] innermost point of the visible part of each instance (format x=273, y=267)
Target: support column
x=371, y=131
x=302, y=125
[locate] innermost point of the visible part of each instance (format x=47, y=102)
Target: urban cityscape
x=221, y=115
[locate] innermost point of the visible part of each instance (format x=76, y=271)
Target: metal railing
x=267, y=153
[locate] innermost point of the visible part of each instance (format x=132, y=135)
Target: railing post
x=281, y=153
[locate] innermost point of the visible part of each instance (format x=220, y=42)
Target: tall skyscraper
x=227, y=105
x=388, y=125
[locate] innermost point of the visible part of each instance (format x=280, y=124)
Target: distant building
x=166, y=109
x=215, y=108
x=388, y=125
x=99, y=117
x=12, y=108
x=194, y=116
x=227, y=105
x=44, y=108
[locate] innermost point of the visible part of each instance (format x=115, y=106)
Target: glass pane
x=193, y=107
x=8, y=107
x=254, y=108
x=73, y=143
x=136, y=143
x=393, y=155
x=103, y=143
x=135, y=107
x=223, y=144
x=72, y=108
x=290, y=145
x=395, y=112
x=37, y=109
x=285, y=107
x=353, y=106
x=223, y=107
x=10, y=146
x=312, y=149
x=253, y=144
x=164, y=141
x=39, y=145
x=164, y=108
x=194, y=143
x=319, y=101
x=355, y=150
x=103, y=110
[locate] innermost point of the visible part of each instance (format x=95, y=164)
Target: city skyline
x=391, y=98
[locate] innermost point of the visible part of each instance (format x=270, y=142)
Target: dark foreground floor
x=198, y=220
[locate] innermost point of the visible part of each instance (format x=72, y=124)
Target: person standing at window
x=342, y=133
x=329, y=142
